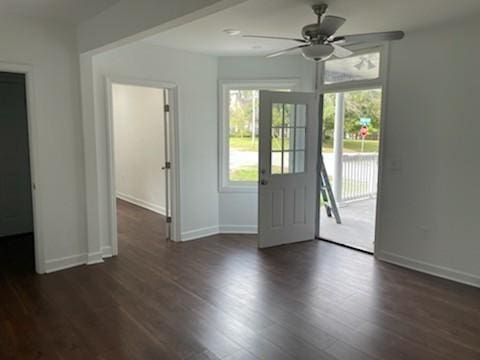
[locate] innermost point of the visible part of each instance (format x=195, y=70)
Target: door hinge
x=169, y=219
x=166, y=108
x=168, y=165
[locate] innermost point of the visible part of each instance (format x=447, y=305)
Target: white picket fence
x=360, y=176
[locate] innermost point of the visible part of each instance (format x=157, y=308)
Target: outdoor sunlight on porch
x=357, y=228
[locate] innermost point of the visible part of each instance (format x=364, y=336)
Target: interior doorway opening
x=351, y=144
x=141, y=160
x=16, y=201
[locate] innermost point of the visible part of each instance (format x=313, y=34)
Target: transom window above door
x=239, y=105
x=365, y=65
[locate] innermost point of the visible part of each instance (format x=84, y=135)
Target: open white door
x=288, y=167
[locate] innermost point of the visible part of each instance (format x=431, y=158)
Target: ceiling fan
x=318, y=42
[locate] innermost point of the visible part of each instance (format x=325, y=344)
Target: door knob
x=263, y=182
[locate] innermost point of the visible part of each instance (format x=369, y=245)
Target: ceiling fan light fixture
x=317, y=52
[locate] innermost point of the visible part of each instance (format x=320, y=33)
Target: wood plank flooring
x=221, y=298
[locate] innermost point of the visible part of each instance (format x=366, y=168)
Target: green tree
x=241, y=112
x=328, y=115
x=358, y=104
x=362, y=104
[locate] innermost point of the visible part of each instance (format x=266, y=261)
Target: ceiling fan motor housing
x=312, y=32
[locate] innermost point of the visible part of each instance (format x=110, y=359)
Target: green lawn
x=353, y=146
x=248, y=173
x=246, y=144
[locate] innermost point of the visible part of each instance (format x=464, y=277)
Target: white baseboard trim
x=95, y=258
x=214, y=230
x=440, y=271
x=199, y=233
x=68, y=262
x=65, y=263
x=107, y=251
x=238, y=229
x=142, y=203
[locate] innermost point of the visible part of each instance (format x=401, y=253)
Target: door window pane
x=277, y=115
x=299, y=162
x=289, y=115
x=287, y=162
x=276, y=163
x=300, y=139
x=277, y=137
x=288, y=141
x=361, y=67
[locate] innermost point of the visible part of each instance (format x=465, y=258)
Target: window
x=240, y=130
x=243, y=135
x=360, y=67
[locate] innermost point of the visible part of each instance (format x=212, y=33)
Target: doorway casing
x=174, y=195
x=382, y=83
x=33, y=136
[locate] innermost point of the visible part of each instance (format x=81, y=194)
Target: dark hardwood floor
x=221, y=298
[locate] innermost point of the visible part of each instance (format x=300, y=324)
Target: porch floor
x=357, y=228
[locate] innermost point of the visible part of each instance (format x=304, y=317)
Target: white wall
x=138, y=123
x=238, y=211
x=429, y=210
x=58, y=163
x=195, y=75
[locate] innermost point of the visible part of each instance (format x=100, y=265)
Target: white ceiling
x=287, y=17
x=69, y=11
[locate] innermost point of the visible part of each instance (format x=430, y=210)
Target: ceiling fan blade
x=341, y=52
x=330, y=24
x=274, y=38
x=281, y=52
x=348, y=40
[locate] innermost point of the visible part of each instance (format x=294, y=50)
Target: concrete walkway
x=357, y=228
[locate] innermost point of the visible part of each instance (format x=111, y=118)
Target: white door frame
x=33, y=137
x=174, y=151
x=382, y=83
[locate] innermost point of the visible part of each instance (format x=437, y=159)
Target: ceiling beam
x=132, y=20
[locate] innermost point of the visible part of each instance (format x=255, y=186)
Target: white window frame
x=225, y=185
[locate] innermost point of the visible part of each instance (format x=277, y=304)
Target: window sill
x=239, y=188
